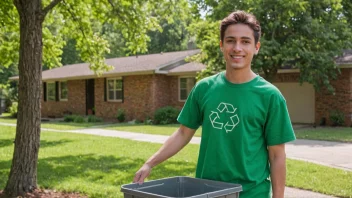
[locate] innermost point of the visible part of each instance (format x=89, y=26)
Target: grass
x=98, y=166
x=319, y=178
x=340, y=134
x=6, y=118
x=149, y=129
x=93, y=165
x=69, y=125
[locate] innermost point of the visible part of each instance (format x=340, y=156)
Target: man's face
x=238, y=46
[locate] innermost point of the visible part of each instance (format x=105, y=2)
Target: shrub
x=121, y=115
x=337, y=118
x=79, y=119
x=14, y=109
x=166, y=115
x=148, y=121
x=69, y=118
x=93, y=118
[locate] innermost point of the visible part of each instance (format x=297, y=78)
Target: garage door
x=300, y=101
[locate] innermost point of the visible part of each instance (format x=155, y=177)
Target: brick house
x=142, y=84
x=137, y=84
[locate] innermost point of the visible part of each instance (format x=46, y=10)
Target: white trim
x=179, y=87
x=63, y=99
x=187, y=73
x=345, y=65
x=110, y=75
x=174, y=63
x=47, y=92
x=107, y=90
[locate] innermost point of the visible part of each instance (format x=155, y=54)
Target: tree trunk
x=23, y=174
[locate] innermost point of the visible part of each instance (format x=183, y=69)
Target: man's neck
x=239, y=76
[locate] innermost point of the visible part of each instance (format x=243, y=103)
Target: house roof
x=346, y=58
x=170, y=63
x=141, y=64
x=188, y=67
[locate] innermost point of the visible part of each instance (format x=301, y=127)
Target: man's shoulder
x=267, y=86
x=209, y=81
x=269, y=90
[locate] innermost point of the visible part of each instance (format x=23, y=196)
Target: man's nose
x=237, y=47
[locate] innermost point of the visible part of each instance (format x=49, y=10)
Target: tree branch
x=50, y=6
x=117, y=12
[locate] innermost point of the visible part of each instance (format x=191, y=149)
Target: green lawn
x=149, y=129
x=5, y=118
x=69, y=125
x=97, y=166
x=341, y=134
x=53, y=124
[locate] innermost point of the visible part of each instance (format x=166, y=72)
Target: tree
x=36, y=29
x=307, y=35
x=173, y=37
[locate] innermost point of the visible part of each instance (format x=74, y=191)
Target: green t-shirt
x=238, y=122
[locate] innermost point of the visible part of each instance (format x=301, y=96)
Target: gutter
x=164, y=69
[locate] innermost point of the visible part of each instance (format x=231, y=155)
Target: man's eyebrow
x=243, y=37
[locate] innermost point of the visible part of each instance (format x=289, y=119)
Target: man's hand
x=173, y=144
x=142, y=173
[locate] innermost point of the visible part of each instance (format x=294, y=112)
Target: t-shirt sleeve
x=190, y=115
x=278, y=127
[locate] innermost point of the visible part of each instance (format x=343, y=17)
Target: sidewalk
x=333, y=154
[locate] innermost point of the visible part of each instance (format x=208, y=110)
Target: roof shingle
x=124, y=65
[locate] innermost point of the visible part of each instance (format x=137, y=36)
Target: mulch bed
x=45, y=193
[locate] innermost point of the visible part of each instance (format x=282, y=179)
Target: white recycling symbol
x=215, y=118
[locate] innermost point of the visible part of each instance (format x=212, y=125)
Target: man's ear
x=257, y=47
x=220, y=44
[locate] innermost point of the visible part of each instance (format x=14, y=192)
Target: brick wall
x=174, y=93
x=286, y=77
x=341, y=100
x=161, y=91
x=166, y=92
x=142, y=96
x=76, y=102
x=138, y=100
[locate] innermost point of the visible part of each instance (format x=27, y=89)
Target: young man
x=244, y=118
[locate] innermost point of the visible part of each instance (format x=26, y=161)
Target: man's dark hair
x=241, y=17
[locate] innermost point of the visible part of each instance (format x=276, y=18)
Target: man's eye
x=246, y=42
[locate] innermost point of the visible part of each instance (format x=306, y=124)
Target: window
x=114, y=89
x=50, y=91
x=63, y=90
x=186, y=85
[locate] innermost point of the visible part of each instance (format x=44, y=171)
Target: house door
x=90, y=97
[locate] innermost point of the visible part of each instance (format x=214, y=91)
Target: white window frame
x=107, y=90
x=47, y=90
x=179, y=87
x=60, y=98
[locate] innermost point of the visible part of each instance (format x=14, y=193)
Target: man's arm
x=277, y=158
x=173, y=144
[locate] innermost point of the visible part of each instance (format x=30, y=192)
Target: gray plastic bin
x=181, y=187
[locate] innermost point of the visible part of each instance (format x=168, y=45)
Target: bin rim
x=136, y=192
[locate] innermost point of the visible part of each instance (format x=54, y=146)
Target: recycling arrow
x=230, y=126
x=213, y=117
x=229, y=108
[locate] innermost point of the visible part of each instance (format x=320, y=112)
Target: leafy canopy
x=307, y=35
x=83, y=21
